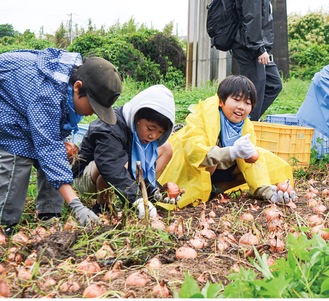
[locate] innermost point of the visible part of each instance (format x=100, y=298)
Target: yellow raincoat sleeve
x=191, y=145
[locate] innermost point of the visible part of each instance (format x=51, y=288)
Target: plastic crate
x=77, y=137
x=319, y=141
x=291, y=143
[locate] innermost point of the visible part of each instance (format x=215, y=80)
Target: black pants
x=266, y=78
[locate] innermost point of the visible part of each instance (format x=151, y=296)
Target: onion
x=14, y=255
x=49, y=281
x=315, y=220
x=94, y=290
x=210, y=234
x=198, y=242
x=247, y=216
x=186, y=253
x=253, y=158
x=249, y=239
x=105, y=251
x=20, y=238
x=161, y=290
x=284, y=186
x=276, y=245
x=154, y=263
x=221, y=245
x=274, y=225
x=312, y=202
x=3, y=239
x=325, y=234
x=70, y=224
x=69, y=286
x=172, y=189
x=156, y=223
x=115, y=272
x=137, y=279
x=212, y=214
x=72, y=151
x=24, y=274
x=31, y=259
x=4, y=288
x=272, y=213
x=38, y=234
x=319, y=208
x=88, y=266
x=325, y=193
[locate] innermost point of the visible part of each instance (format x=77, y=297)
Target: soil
x=218, y=223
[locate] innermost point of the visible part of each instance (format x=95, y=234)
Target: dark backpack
x=222, y=23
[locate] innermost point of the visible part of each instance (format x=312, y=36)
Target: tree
x=6, y=30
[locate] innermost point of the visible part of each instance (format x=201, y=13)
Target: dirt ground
x=212, y=229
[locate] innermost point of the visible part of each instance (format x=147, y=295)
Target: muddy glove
x=268, y=192
x=139, y=204
x=242, y=148
x=157, y=195
x=82, y=213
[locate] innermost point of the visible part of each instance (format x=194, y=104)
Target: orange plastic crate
x=291, y=143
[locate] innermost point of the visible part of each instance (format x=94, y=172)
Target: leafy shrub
x=308, y=44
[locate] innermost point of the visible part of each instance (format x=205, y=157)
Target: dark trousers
x=15, y=174
x=266, y=78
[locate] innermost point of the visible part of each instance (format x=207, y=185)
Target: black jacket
x=110, y=147
x=256, y=30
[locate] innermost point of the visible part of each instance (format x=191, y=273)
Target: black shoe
x=9, y=230
x=47, y=216
x=101, y=208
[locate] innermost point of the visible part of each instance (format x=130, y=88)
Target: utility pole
x=70, y=27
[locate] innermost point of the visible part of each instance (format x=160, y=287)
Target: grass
x=289, y=100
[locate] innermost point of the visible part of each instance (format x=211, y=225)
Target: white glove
x=82, y=213
x=139, y=204
x=242, y=148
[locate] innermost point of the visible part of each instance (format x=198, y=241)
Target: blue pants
x=266, y=79
x=15, y=172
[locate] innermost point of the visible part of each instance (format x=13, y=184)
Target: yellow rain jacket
x=192, y=143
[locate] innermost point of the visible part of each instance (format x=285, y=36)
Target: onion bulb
x=276, y=245
x=137, y=279
x=249, y=239
x=186, y=253
x=315, y=220
x=72, y=151
x=161, y=290
x=94, y=290
x=88, y=266
x=4, y=288
x=172, y=189
x=253, y=158
x=69, y=286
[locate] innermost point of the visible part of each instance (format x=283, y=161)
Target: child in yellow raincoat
x=210, y=150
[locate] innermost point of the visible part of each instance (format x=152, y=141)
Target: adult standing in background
x=252, y=50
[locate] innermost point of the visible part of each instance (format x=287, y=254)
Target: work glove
x=242, y=148
x=82, y=213
x=139, y=205
x=268, y=192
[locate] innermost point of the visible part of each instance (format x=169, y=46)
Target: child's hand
x=242, y=148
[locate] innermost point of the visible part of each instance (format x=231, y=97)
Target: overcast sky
x=33, y=14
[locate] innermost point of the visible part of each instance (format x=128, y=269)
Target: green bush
x=308, y=44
